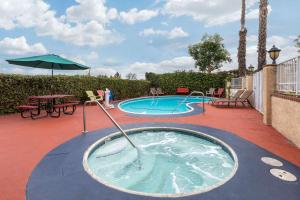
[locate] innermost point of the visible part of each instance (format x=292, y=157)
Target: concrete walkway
x=24, y=142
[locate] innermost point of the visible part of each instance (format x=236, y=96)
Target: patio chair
x=234, y=97
x=218, y=93
x=210, y=92
x=182, y=90
x=159, y=91
x=243, y=99
x=153, y=92
x=92, y=96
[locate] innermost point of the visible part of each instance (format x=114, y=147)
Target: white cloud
x=252, y=38
x=176, y=32
x=24, y=70
x=254, y=13
x=177, y=63
x=278, y=41
x=111, y=62
x=151, y=31
x=85, y=28
x=19, y=46
x=164, y=23
x=293, y=37
x=95, y=71
x=92, y=55
x=91, y=33
x=76, y=58
x=134, y=15
x=87, y=10
x=25, y=13
x=286, y=44
x=213, y=12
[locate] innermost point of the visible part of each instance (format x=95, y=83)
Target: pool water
x=168, y=162
x=160, y=105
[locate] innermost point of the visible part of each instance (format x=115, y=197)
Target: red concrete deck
x=23, y=142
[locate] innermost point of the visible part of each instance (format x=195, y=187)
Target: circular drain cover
x=283, y=175
x=271, y=161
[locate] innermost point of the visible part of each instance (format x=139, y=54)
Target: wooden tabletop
x=54, y=96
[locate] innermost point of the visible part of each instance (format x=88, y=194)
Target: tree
x=153, y=78
x=131, y=76
x=242, y=43
x=117, y=75
x=262, y=33
x=298, y=43
x=210, y=53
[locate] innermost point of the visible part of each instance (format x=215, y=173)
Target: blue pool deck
x=60, y=174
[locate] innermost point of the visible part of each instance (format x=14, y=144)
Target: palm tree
x=298, y=43
x=262, y=37
x=242, y=42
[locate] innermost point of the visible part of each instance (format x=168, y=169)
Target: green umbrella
x=50, y=61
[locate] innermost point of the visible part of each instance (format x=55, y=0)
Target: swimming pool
x=170, y=162
x=160, y=105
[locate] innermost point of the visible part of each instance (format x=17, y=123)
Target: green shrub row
x=193, y=80
x=16, y=88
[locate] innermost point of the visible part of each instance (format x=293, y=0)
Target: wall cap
x=287, y=97
x=269, y=65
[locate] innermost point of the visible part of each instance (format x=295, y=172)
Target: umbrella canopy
x=49, y=61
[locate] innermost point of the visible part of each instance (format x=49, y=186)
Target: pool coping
x=195, y=109
x=60, y=174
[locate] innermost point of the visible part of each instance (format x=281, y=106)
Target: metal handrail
x=193, y=92
x=109, y=116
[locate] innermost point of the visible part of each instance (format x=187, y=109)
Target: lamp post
x=274, y=54
x=251, y=69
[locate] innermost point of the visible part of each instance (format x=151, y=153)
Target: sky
x=136, y=36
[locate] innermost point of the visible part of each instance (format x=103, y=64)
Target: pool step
x=111, y=148
x=135, y=175
x=120, y=162
x=168, y=179
x=153, y=181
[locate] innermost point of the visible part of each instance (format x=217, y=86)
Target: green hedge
x=16, y=88
x=193, y=80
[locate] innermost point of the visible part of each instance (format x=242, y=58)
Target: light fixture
x=251, y=68
x=274, y=54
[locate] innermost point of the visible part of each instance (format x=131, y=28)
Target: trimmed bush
x=193, y=80
x=16, y=88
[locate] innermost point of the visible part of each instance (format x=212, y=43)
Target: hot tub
x=169, y=162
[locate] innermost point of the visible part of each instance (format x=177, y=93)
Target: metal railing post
x=193, y=92
x=84, y=118
x=298, y=76
x=109, y=116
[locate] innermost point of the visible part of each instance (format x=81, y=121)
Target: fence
x=258, y=91
x=288, y=76
x=236, y=83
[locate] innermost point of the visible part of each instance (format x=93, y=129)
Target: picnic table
x=52, y=104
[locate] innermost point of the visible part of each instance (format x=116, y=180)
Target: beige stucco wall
x=249, y=86
x=286, y=118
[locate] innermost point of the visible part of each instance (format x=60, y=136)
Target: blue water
x=160, y=105
x=170, y=163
